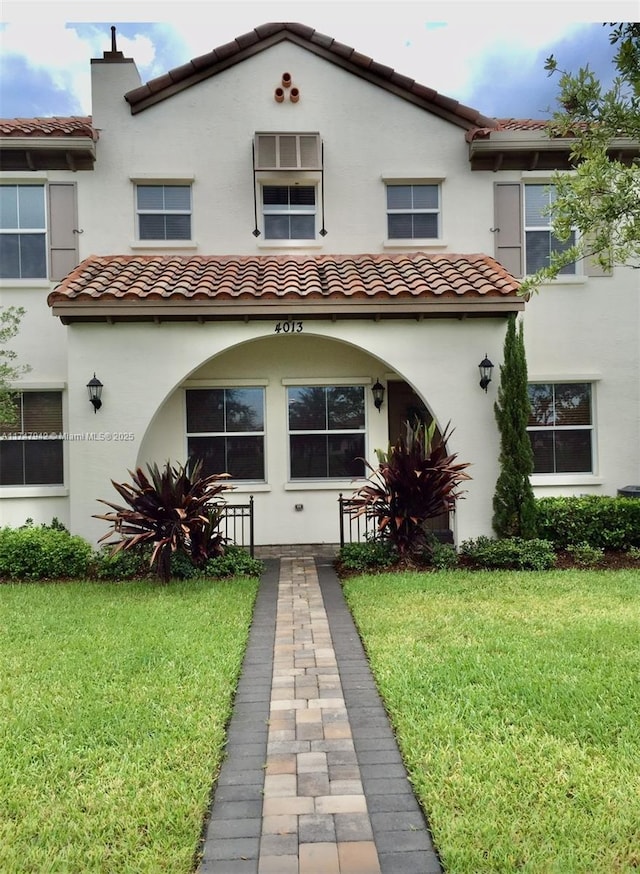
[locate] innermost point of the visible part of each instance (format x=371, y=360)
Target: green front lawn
x=113, y=704
x=516, y=701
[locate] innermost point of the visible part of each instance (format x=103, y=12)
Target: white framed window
x=31, y=449
x=163, y=212
x=326, y=425
x=539, y=239
x=225, y=429
x=289, y=212
x=561, y=427
x=413, y=211
x=23, y=232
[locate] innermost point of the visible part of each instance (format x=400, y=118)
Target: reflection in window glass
x=326, y=431
x=561, y=427
x=225, y=428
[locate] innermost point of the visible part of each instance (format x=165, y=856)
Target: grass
x=515, y=698
x=113, y=704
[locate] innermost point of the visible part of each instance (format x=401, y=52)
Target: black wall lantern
x=94, y=387
x=377, y=390
x=486, y=369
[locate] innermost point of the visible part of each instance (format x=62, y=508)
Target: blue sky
x=489, y=55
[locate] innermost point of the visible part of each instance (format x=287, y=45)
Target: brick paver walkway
x=313, y=782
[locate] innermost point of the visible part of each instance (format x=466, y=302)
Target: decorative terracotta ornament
x=286, y=80
x=278, y=95
x=294, y=95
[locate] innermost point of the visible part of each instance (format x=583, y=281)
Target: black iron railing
x=236, y=524
x=355, y=528
x=358, y=528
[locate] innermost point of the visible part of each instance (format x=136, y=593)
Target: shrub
x=415, y=480
x=367, y=555
x=514, y=512
x=236, y=562
x=43, y=553
x=513, y=553
x=127, y=564
x=443, y=556
x=174, y=509
x=585, y=555
x=601, y=521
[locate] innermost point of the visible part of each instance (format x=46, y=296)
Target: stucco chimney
x=112, y=76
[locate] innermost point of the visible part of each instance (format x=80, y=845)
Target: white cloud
x=446, y=58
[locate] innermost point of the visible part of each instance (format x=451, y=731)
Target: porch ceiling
x=135, y=287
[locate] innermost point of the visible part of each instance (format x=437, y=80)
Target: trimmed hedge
x=512, y=553
x=600, y=521
x=367, y=555
x=43, y=553
x=50, y=552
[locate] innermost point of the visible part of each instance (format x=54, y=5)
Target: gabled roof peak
x=266, y=35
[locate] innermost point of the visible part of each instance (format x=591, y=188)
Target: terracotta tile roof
x=522, y=124
x=225, y=56
x=74, y=126
x=509, y=124
x=156, y=278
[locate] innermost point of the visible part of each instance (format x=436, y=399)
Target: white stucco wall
x=578, y=329
x=147, y=402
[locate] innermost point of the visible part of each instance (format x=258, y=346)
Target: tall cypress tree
x=513, y=502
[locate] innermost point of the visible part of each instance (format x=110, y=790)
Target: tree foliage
x=10, y=318
x=514, y=511
x=600, y=197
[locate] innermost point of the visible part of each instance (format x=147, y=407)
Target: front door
x=403, y=404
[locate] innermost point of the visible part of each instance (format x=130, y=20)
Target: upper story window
x=413, y=212
x=23, y=244
x=31, y=449
x=289, y=212
x=561, y=427
x=539, y=239
x=164, y=212
x=225, y=428
x=326, y=431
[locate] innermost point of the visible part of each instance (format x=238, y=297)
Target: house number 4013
x=288, y=328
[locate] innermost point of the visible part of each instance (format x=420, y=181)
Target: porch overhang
x=535, y=150
x=239, y=288
x=55, y=143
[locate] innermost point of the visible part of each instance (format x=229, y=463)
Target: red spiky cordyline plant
x=415, y=480
x=174, y=509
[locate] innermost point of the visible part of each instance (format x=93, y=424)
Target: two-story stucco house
x=241, y=249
